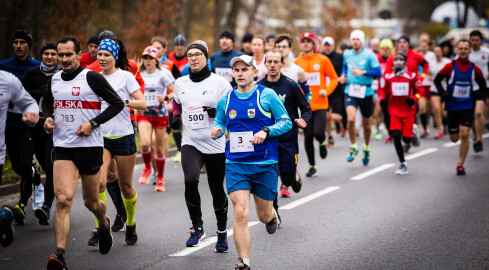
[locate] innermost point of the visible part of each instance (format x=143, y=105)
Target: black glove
x=409, y=101
x=211, y=111
x=383, y=102
x=176, y=122
x=446, y=96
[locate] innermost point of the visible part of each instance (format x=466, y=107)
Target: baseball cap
x=151, y=51
x=311, y=36
x=328, y=40
x=248, y=60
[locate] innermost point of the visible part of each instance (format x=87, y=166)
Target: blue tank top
x=461, y=89
x=248, y=115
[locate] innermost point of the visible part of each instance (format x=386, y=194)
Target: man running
x=253, y=115
x=91, y=56
x=460, y=97
x=360, y=67
x=197, y=95
x=72, y=107
x=220, y=60
x=317, y=67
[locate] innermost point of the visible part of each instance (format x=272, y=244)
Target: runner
x=401, y=91
x=35, y=81
x=78, y=144
x=246, y=44
x=220, y=60
x=161, y=44
x=360, y=67
x=317, y=67
x=158, y=90
x=460, y=97
x=386, y=49
x=197, y=95
x=429, y=56
x=178, y=55
x=270, y=42
x=258, y=47
x=293, y=99
x=377, y=115
x=283, y=44
x=91, y=56
x=479, y=56
x=253, y=116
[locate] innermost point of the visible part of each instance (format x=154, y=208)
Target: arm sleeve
x=102, y=88
x=272, y=103
x=426, y=69
x=47, y=103
x=21, y=98
x=333, y=77
x=176, y=107
x=481, y=93
x=305, y=88
x=220, y=120
x=442, y=74
x=175, y=72
x=303, y=105
x=375, y=72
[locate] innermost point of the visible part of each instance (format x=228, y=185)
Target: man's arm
x=102, y=88
x=220, y=120
x=303, y=104
x=333, y=77
x=279, y=113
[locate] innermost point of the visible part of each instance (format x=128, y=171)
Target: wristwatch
x=267, y=130
x=126, y=102
x=94, y=124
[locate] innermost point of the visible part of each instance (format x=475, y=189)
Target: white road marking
x=372, y=171
x=308, y=198
x=421, y=153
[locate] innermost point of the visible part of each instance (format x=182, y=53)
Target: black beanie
x=21, y=34
x=248, y=37
x=227, y=34
x=48, y=46
x=93, y=39
x=200, y=45
x=404, y=37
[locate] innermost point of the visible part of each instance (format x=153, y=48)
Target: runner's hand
x=84, y=129
x=358, y=72
x=409, y=101
x=49, y=125
x=176, y=122
x=342, y=79
x=258, y=137
x=30, y=118
x=323, y=93
x=216, y=133
x=300, y=122
x=211, y=111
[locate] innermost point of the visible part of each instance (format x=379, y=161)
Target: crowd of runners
x=234, y=115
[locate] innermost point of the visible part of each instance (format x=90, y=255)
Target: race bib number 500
x=68, y=119
x=198, y=120
x=240, y=142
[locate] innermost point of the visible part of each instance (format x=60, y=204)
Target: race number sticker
x=68, y=119
x=198, y=120
x=150, y=97
x=313, y=78
x=225, y=72
x=240, y=142
x=400, y=89
x=357, y=90
x=461, y=91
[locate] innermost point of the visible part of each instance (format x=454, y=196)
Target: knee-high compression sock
x=192, y=198
x=103, y=197
x=147, y=158
x=178, y=140
x=130, y=205
x=116, y=196
x=160, y=165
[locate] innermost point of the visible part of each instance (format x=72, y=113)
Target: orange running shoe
x=160, y=184
x=284, y=191
x=144, y=179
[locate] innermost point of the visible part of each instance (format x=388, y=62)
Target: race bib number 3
x=240, y=142
x=313, y=78
x=150, y=97
x=68, y=119
x=357, y=90
x=225, y=72
x=400, y=89
x=461, y=91
x=198, y=120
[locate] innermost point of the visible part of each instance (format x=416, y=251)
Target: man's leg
x=464, y=143
x=478, y=125
x=90, y=191
x=351, y=113
x=241, y=204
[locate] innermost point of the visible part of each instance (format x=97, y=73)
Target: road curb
x=10, y=189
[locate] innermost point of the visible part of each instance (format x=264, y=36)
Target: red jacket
x=179, y=63
x=398, y=90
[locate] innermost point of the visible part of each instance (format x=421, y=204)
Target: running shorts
x=260, y=179
x=87, y=159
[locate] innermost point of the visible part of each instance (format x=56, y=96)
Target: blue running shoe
x=195, y=236
x=7, y=231
x=353, y=154
x=366, y=155
x=222, y=242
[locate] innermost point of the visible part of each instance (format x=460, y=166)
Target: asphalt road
x=349, y=217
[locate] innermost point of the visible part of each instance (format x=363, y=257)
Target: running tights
x=396, y=135
x=316, y=128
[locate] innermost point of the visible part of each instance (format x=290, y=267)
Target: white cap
x=358, y=34
x=248, y=60
x=328, y=40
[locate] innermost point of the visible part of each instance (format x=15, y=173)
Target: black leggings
x=20, y=151
x=316, y=128
x=43, y=148
x=192, y=161
x=396, y=135
x=387, y=117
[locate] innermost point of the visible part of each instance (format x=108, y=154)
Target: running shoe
x=222, y=242
x=178, y=157
x=153, y=179
x=366, y=155
x=330, y=142
x=241, y=265
x=415, y=136
x=343, y=133
x=323, y=152
x=388, y=139
x=460, y=169
x=311, y=172
x=297, y=185
x=38, y=197
x=19, y=213
x=118, y=224
x=273, y=224
x=131, y=235
x=57, y=262
x=43, y=215
x=406, y=147
x=378, y=136
x=439, y=135
x=7, y=231
x=105, y=241
x=160, y=184
x=94, y=239
x=144, y=179
x=284, y=192
x=478, y=146
x=402, y=169
x=425, y=134
x=195, y=236
x=353, y=154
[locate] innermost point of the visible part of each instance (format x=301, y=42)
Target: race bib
x=375, y=84
x=150, y=97
x=400, y=89
x=240, y=142
x=313, y=78
x=461, y=91
x=225, y=72
x=68, y=119
x=357, y=90
x=198, y=120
